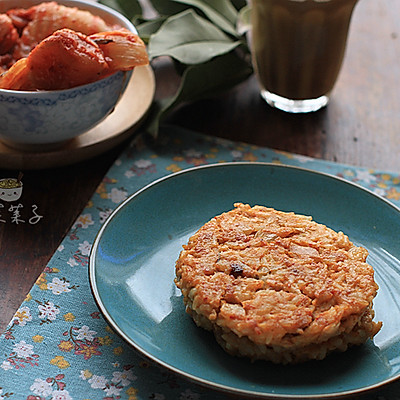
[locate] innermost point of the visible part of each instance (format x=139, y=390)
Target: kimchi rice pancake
x=277, y=286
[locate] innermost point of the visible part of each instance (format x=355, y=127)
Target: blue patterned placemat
x=59, y=347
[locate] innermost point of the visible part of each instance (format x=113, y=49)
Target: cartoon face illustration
x=10, y=189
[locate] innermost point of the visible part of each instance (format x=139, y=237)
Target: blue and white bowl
x=46, y=119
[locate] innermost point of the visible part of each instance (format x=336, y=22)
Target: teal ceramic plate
x=132, y=271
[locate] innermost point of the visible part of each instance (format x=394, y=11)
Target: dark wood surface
x=361, y=126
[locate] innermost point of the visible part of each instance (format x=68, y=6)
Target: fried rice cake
x=277, y=286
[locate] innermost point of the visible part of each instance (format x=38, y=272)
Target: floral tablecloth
x=58, y=346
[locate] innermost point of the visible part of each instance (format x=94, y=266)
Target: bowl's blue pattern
x=56, y=116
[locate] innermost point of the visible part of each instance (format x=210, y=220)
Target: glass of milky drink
x=298, y=48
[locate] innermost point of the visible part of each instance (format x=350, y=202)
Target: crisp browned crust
x=277, y=286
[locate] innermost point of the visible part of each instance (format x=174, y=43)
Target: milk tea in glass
x=298, y=48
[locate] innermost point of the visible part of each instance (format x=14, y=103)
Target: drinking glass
x=298, y=48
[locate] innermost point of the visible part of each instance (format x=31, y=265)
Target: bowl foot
x=35, y=147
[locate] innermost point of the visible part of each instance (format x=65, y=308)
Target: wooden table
x=361, y=126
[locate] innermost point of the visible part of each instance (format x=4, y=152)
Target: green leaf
x=190, y=39
x=167, y=7
x=129, y=8
x=225, y=8
x=244, y=20
x=203, y=38
x=148, y=28
x=203, y=81
x=211, y=78
x=197, y=53
x=220, y=12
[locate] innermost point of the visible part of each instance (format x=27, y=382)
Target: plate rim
x=222, y=388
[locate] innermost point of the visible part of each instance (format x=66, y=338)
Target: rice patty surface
x=277, y=286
